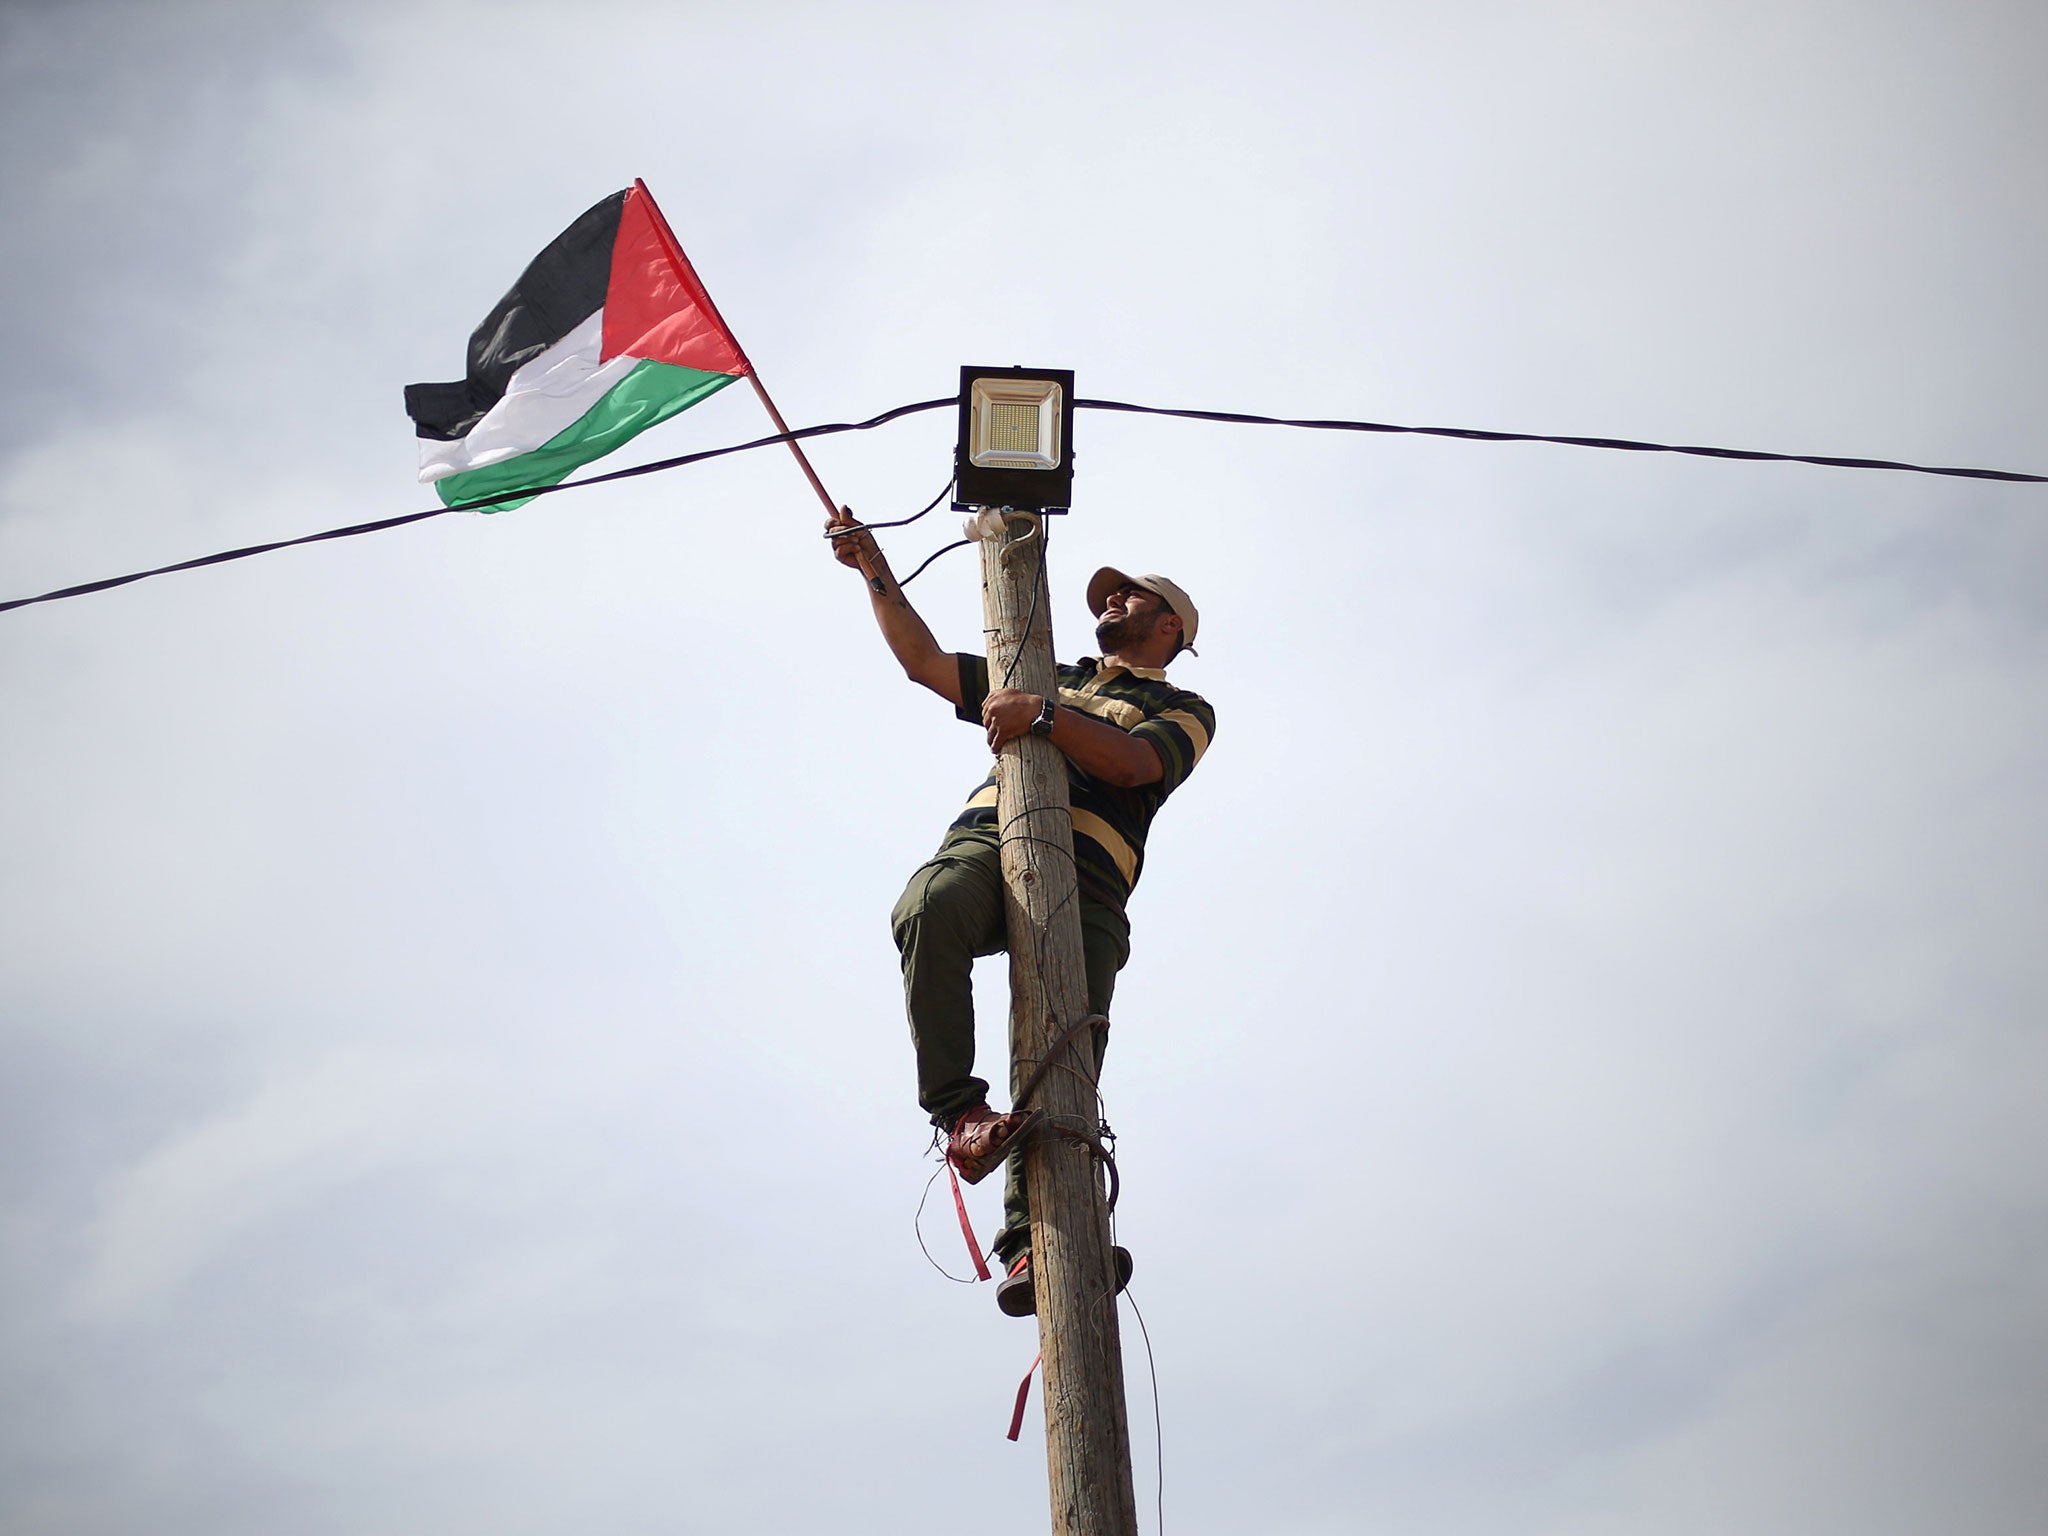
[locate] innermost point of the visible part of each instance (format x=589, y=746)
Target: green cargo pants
x=950, y=913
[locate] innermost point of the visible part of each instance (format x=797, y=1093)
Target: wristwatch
x=1042, y=726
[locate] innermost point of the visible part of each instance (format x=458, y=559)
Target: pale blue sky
x=1579, y=1071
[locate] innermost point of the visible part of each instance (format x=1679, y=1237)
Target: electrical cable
x=1158, y=1430
x=1621, y=444
x=917, y=1226
x=901, y=522
x=827, y=430
x=947, y=550
x=1031, y=613
x=1467, y=434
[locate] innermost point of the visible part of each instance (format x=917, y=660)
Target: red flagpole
x=698, y=292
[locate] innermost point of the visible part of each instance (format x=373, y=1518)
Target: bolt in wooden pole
x=1087, y=1431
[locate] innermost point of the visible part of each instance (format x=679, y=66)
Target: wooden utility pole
x=1087, y=1431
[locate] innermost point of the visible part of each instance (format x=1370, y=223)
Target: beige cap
x=1109, y=578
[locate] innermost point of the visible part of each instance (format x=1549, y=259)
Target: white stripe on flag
x=546, y=396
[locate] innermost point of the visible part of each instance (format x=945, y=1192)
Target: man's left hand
x=1008, y=714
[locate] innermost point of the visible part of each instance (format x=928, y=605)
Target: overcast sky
x=1581, y=1068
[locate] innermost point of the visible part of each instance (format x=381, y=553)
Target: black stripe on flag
x=561, y=288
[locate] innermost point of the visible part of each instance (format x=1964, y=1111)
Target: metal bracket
x=1035, y=529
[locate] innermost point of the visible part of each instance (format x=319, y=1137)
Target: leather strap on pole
x=966, y=1226
x=1023, y=1396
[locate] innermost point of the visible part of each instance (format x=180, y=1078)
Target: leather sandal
x=980, y=1139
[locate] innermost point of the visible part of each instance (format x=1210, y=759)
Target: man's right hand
x=856, y=550
x=911, y=642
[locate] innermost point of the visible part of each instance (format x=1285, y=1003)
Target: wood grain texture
x=1087, y=1430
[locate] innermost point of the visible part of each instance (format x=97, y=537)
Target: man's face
x=1129, y=616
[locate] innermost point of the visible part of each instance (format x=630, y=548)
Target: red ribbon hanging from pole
x=1023, y=1396
x=966, y=1226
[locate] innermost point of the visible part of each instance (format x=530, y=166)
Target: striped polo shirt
x=1110, y=821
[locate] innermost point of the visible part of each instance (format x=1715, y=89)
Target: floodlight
x=1016, y=430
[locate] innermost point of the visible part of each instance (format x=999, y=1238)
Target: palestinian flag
x=606, y=333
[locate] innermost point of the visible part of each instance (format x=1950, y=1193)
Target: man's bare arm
x=909, y=638
x=1101, y=750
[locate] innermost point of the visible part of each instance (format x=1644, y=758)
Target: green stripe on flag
x=648, y=395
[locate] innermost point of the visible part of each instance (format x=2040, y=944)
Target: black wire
x=917, y=1226
x=1468, y=434
x=959, y=544
x=1031, y=613
x=1621, y=444
x=232, y=554
x=1158, y=1432
x=901, y=522
x=481, y=503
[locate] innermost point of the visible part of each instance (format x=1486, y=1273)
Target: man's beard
x=1115, y=634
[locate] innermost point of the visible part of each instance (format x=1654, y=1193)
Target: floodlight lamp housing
x=1016, y=446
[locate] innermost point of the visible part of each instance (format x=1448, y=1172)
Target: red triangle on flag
x=655, y=307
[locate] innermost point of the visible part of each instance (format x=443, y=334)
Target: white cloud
x=191, y=1199
x=1576, y=1065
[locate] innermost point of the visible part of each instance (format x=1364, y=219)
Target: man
x=1130, y=738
